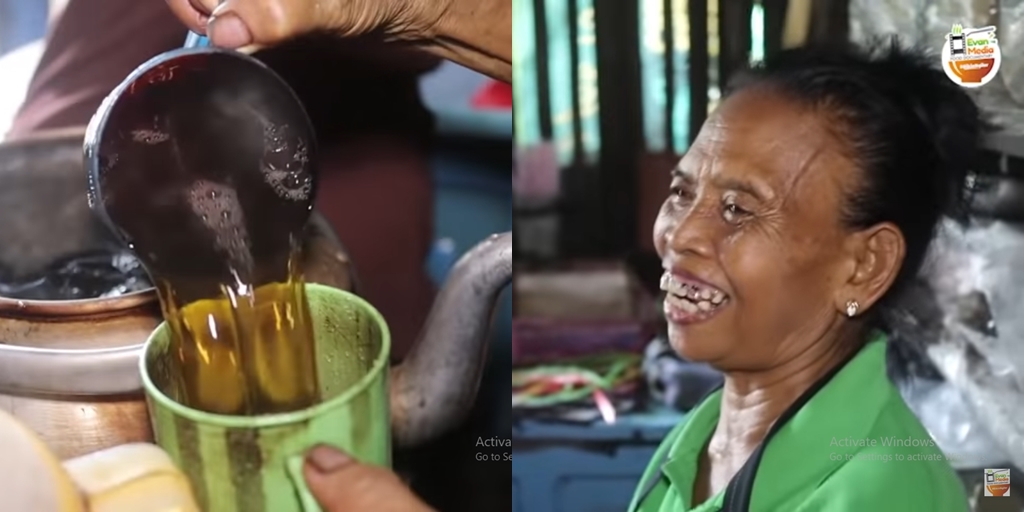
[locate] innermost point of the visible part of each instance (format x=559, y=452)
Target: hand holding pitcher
x=268, y=22
x=474, y=33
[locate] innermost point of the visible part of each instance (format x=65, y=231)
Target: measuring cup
x=254, y=463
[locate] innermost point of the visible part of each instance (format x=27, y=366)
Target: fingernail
x=229, y=31
x=326, y=459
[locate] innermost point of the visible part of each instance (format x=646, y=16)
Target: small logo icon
x=997, y=482
x=971, y=56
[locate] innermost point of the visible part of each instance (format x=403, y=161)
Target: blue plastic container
x=584, y=468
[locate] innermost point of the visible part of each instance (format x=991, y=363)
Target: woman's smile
x=689, y=300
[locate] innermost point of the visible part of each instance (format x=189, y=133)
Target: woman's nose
x=693, y=234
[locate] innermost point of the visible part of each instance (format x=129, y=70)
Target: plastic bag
x=952, y=423
x=1011, y=37
x=925, y=23
x=967, y=317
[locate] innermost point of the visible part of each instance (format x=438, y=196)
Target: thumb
x=341, y=484
x=238, y=23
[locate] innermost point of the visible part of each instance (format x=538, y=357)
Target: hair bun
x=944, y=109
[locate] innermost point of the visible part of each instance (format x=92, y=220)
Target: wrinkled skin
x=755, y=209
x=474, y=33
x=272, y=21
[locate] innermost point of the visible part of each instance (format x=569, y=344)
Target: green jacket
x=854, y=447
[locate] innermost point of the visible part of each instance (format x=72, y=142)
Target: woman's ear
x=877, y=253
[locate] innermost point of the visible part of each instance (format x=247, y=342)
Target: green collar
x=808, y=448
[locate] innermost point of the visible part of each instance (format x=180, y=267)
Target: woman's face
x=755, y=254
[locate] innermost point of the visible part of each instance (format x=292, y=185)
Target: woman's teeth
x=692, y=297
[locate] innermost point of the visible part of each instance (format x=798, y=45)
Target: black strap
x=741, y=487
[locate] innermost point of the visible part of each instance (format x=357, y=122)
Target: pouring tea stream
x=216, y=110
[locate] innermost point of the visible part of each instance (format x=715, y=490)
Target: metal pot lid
x=30, y=370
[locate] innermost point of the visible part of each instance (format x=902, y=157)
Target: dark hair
x=912, y=131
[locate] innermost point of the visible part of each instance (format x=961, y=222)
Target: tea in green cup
x=254, y=463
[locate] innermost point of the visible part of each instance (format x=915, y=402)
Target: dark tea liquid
x=248, y=352
x=210, y=181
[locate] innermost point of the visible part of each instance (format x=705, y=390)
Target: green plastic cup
x=254, y=463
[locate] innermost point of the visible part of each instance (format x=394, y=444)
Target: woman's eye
x=734, y=212
x=680, y=192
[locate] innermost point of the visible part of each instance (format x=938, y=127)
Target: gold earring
x=851, y=308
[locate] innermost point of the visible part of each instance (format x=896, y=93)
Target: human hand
x=341, y=484
x=239, y=23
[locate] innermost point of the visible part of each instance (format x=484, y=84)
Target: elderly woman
x=805, y=204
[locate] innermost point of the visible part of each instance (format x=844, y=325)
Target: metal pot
x=68, y=368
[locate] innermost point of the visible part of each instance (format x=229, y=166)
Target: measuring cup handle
x=194, y=40
x=306, y=499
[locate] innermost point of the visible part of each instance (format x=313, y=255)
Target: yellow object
x=129, y=478
x=798, y=23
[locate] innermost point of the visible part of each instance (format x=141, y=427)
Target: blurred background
x=608, y=95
